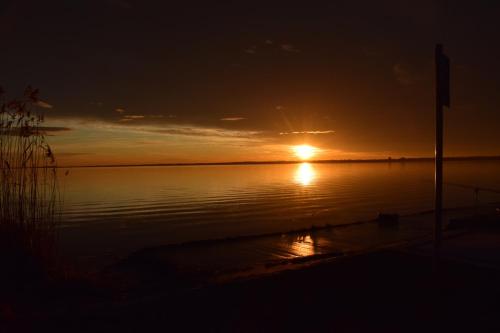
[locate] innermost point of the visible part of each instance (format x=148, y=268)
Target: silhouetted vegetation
x=28, y=186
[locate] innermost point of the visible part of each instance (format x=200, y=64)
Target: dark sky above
x=363, y=69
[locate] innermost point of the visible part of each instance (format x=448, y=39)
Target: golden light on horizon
x=304, y=152
x=305, y=174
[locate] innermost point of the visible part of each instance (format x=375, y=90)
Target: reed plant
x=29, y=201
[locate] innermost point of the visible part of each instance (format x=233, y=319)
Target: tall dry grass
x=29, y=201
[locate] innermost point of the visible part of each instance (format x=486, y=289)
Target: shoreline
x=386, y=289
x=393, y=290
x=258, y=249
x=203, y=262
x=339, y=161
x=300, y=231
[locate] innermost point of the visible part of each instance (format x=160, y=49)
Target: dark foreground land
x=385, y=291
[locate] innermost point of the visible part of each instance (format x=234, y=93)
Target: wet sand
x=206, y=262
x=387, y=291
x=384, y=290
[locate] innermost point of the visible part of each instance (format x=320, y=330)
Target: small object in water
x=388, y=220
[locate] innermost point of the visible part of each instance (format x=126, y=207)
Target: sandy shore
x=387, y=290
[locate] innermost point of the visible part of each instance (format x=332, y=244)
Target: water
x=115, y=211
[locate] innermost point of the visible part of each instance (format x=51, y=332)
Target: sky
x=139, y=82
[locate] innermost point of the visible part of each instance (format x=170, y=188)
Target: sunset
x=258, y=166
x=239, y=82
x=304, y=152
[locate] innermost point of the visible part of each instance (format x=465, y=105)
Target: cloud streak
x=289, y=48
x=402, y=74
x=233, y=119
x=307, y=132
x=167, y=129
x=205, y=132
x=251, y=50
x=43, y=105
x=131, y=117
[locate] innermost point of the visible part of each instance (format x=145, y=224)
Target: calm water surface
x=119, y=210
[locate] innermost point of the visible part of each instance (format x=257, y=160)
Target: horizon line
x=372, y=160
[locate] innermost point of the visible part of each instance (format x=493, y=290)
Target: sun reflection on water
x=305, y=174
x=303, y=246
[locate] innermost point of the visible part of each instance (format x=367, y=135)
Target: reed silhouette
x=29, y=202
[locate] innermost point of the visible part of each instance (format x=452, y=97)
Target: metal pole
x=438, y=185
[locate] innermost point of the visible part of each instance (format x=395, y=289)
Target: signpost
x=442, y=99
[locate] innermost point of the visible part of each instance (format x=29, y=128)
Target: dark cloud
x=289, y=48
x=68, y=154
x=44, y=130
x=402, y=74
x=251, y=50
x=43, y=104
x=356, y=65
x=48, y=129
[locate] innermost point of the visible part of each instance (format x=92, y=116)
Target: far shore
x=378, y=160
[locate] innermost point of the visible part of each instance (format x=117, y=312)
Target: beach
x=391, y=289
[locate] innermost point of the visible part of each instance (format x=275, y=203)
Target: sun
x=304, y=152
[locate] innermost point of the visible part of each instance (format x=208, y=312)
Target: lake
x=114, y=211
